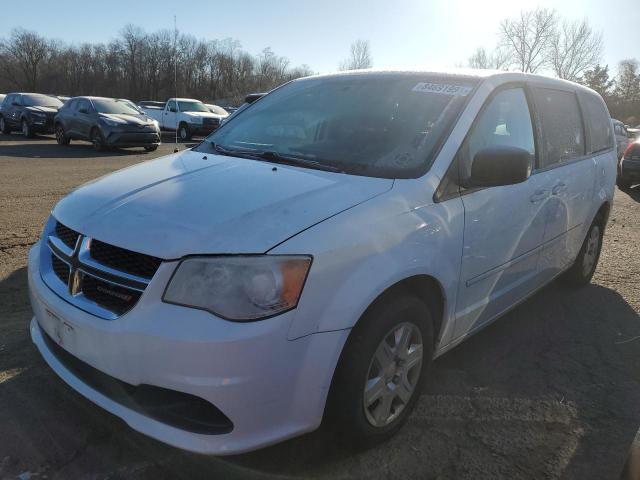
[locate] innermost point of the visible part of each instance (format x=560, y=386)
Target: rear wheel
x=4, y=127
x=151, y=148
x=582, y=270
x=183, y=132
x=382, y=370
x=61, y=136
x=27, y=131
x=97, y=140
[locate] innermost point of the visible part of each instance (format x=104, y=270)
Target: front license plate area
x=60, y=331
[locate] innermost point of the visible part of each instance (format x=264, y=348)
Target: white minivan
x=310, y=258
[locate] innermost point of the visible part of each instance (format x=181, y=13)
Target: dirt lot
x=551, y=390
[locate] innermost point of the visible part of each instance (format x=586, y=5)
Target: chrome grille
x=99, y=278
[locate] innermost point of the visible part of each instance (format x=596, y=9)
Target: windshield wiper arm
x=296, y=161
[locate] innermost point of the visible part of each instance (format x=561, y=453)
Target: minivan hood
x=192, y=203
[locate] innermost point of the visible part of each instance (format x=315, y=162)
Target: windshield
x=116, y=107
x=383, y=125
x=187, y=106
x=217, y=110
x=41, y=101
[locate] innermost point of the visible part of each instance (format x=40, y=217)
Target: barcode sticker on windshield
x=442, y=88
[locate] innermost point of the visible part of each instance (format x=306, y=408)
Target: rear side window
x=562, y=128
x=599, y=124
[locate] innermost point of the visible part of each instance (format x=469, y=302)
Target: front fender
x=360, y=253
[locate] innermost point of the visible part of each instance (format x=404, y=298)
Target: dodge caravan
x=309, y=259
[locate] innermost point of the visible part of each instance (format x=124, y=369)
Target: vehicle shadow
x=633, y=192
x=74, y=150
x=17, y=137
x=550, y=390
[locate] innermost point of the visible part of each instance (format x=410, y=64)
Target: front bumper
x=42, y=125
x=202, y=129
x=131, y=139
x=269, y=387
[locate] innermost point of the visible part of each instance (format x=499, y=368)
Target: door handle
x=539, y=195
x=559, y=188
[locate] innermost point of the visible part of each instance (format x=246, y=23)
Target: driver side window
x=504, y=121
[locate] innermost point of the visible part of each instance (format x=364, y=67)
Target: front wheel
x=61, y=136
x=382, y=370
x=97, y=140
x=27, y=131
x=184, y=133
x=582, y=270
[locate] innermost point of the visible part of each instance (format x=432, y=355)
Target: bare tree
x=575, y=48
x=527, y=39
x=359, y=57
x=23, y=56
x=496, y=60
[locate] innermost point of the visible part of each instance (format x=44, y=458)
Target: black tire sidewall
x=28, y=133
x=345, y=411
x=186, y=135
x=98, y=134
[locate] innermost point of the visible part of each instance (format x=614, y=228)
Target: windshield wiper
x=297, y=161
x=276, y=157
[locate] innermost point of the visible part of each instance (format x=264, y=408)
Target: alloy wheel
x=591, y=251
x=393, y=375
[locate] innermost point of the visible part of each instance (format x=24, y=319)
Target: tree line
x=141, y=66
x=540, y=41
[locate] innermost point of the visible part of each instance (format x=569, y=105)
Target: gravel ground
x=549, y=391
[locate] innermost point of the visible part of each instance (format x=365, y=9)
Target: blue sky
x=438, y=33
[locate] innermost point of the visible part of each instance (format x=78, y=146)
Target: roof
x=463, y=73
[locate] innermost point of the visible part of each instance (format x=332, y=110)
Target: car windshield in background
x=115, y=107
x=384, y=125
x=192, y=107
x=41, y=101
x=218, y=110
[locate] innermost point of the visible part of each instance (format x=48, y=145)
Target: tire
x=151, y=148
x=61, y=137
x=581, y=272
x=4, y=127
x=623, y=183
x=183, y=132
x=27, y=131
x=97, y=140
x=359, y=374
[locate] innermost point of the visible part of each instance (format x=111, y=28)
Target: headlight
x=156, y=124
x=240, y=288
x=111, y=123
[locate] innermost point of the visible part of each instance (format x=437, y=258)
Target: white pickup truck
x=186, y=115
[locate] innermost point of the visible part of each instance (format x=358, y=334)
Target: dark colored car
x=28, y=112
x=629, y=166
x=106, y=122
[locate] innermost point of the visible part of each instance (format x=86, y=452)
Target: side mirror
x=83, y=110
x=15, y=104
x=173, y=109
x=500, y=165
